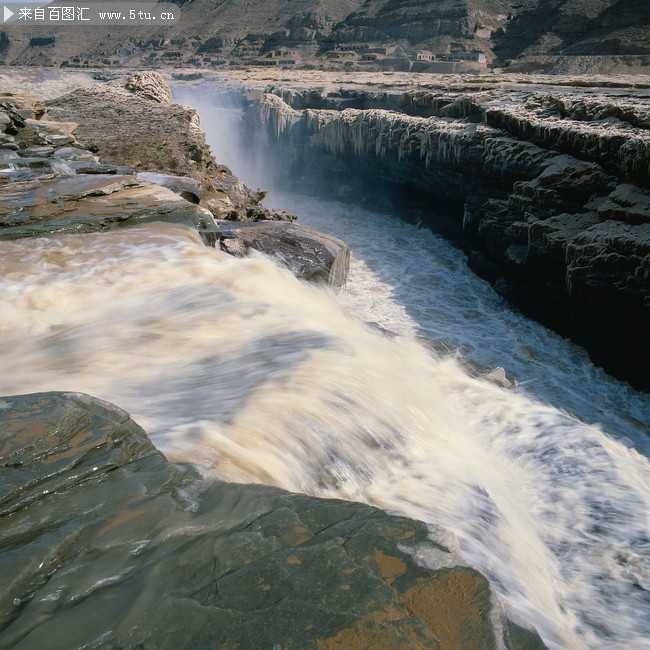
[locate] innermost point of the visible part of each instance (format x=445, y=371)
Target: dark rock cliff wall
x=546, y=190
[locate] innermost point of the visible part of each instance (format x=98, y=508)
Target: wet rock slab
x=309, y=254
x=91, y=203
x=103, y=542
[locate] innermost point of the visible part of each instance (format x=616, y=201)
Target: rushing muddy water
x=236, y=365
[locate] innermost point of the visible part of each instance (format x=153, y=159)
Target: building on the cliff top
x=424, y=55
x=353, y=47
x=478, y=57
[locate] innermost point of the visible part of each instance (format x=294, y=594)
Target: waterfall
x=383, y=394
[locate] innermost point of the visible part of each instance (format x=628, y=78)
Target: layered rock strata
x=52, y=182
x=548, y=190
x=134, y=122
x=105, y=542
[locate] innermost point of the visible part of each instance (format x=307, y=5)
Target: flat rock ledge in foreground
x=106, y=543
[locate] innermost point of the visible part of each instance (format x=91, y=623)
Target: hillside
x=376, y=34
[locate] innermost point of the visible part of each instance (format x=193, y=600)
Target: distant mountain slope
x=239, y=18
x=442, y=26
x=215, y=32
x=577, y=27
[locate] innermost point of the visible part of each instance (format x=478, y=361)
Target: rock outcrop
x=53, y=185
x=149, y=85
x=49, y=184
x=28, y=105
x=310, y=255
x=547, y=191
x=111, y=122
x=105, y=542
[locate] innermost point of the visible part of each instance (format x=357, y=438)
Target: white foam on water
x=236, y=365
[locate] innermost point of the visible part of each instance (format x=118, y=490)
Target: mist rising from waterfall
x=222, y=121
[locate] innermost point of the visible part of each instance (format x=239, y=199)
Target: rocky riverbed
x=106, y=542
x=544, y=181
